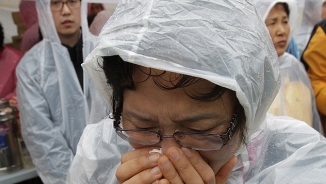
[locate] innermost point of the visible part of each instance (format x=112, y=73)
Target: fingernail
x=153, y=158
x=174, y=153
x=186, y=151
x=156, y=170
x=155, y=182
x=166, y=164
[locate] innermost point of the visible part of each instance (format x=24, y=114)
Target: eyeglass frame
x=224, y=137
x=63, y=3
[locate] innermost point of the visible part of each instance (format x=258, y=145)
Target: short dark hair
x=2, y=37
x=119, y=78
x=286, y=8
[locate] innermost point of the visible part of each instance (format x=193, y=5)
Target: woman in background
x=295, y=98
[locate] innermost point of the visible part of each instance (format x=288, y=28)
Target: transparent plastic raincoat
x=101, y=18
x=54, y=109
x=311, y=15
x=224, y=42
x=292, y=99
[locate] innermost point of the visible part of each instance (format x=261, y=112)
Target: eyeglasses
x=58, y=5
x=191, y=140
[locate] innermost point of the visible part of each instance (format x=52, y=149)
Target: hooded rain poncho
x=224, y=42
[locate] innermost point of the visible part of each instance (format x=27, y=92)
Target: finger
x=169, y=172
x=203, y=169
x=183, y=166
x=224, y=173
x=132, y=167
x=147, y=176
x=163, y=181
x=135, y=153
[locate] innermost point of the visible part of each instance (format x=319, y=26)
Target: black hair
x=119, y=76
x=2, y=37
x=286, y=8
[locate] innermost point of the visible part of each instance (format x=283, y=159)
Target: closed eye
x=55, y=2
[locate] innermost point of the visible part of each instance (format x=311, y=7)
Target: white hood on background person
x=265, y=6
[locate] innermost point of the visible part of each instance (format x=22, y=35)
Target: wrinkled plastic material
x=295, y=98
x=224, y=42
x=101, y=18
x=54, y=109
x=311, y=15
x=292, y=99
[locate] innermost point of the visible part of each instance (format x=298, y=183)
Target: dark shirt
x=76, y=56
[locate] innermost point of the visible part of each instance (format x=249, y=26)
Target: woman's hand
x=139, y=167
x=178, y=166
x=183, y=165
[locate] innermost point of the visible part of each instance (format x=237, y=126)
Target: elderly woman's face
x=150, y=108
x=277, y=24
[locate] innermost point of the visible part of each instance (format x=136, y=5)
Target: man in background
x=56, y=97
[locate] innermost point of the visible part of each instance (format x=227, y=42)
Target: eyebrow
x=194, y=118
x=182, y=120
x=274, y=19
x=137, y=116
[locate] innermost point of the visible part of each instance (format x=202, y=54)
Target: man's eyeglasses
x=58, y=5
x=191, y=140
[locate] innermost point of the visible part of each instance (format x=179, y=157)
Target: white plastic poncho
x=222, y=41
x=100, y=19
x=312, y=11
x=54, y=110
x=293, y=97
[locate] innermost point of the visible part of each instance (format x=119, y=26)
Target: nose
x=280, y=30
x=65, y=9
x=167, y=142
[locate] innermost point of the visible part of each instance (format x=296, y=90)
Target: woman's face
x=151, y=108
x=277, y=24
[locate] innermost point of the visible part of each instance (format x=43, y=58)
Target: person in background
x=188, y=84
x=295, y=98
x=323, y=15
x=31, y=36
x=99, y=21
x=92, y=10
x=56, y=98
x=292, y=48
x=9, y=59
x=312, y=14
x=315, y=57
